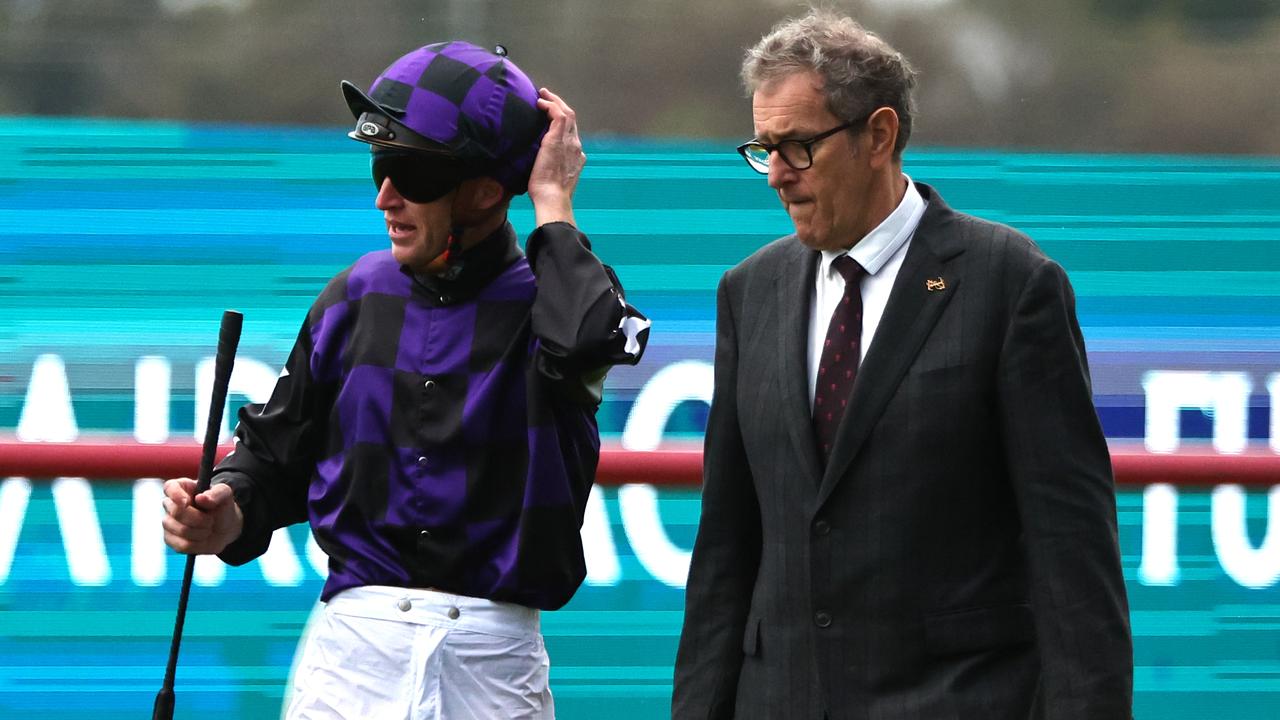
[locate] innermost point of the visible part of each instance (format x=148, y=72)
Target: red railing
x=116, y=459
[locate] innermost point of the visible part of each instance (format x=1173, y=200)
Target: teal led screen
x=122, y=242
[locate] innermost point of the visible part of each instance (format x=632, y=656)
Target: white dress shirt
x=880, y=253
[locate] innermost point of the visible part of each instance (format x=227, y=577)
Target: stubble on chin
x=810, y=242
x=805, y=234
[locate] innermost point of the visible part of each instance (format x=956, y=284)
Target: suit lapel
x=910, y=315
x=795, y=291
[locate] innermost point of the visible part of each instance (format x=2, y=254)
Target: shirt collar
x=875, y=249
x=475, y=269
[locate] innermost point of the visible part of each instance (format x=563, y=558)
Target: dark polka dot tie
x=839, y=363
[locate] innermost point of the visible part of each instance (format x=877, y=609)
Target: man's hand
x=558, y=165
x=201, y=524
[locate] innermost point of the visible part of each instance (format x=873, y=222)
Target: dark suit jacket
x=957, y=559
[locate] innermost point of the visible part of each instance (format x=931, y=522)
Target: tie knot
x=848, y=268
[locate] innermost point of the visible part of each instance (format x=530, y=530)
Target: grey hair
x=860, y=72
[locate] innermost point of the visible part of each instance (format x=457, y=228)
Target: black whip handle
x=228, y=340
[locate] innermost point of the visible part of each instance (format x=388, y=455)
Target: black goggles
x=418, y=178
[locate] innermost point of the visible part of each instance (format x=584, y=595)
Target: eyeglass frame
x=806, y=143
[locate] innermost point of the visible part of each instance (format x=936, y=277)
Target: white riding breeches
x=387, y=653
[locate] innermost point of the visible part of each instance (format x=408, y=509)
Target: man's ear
x=481, y=194
x=882, y=129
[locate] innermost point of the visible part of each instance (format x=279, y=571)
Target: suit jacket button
x=822, y=527
x=822, y=619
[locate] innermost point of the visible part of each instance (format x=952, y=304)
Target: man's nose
x=388, y=196
x=780, y=173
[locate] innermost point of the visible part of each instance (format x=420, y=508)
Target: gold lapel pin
x=935, y=284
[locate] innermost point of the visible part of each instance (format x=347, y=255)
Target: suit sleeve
x=726, y=553
x=1061, y=474
x=270, y=469
x=581, y=318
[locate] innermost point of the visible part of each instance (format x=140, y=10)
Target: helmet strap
x=451, y=259
x=453, y=253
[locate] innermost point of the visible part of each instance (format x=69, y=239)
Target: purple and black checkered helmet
x=455, y=100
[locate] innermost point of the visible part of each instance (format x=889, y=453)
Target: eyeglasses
x=797, y=154
x=418, y=178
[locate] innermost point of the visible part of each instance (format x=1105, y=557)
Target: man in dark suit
x=908, y=509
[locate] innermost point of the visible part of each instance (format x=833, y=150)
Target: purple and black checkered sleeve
x=276, y=445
